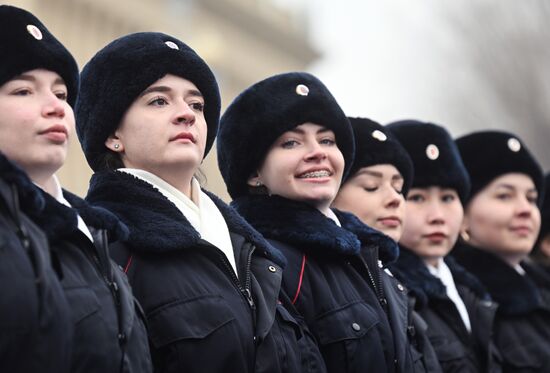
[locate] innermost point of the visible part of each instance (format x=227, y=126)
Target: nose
x=315, y=152
x=54, y=107
x=435, y=213
x=392, y=198
x=524, y=208
x=184, y=114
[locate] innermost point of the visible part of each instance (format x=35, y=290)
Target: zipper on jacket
x=110, y=282
x=24, y=238
x=21, y=231
x=376, y=284
x=244, y=290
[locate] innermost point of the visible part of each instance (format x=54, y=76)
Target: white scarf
x=199, y=210
x=443, y=273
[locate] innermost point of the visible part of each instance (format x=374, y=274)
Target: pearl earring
x=117, y=146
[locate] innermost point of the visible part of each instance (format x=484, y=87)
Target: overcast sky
x=397, y=59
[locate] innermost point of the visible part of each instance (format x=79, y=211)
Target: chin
x=393, y=234
x=317, y=201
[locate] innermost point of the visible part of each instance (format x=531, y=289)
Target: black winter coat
x=109, y=329
x=353, y=308
x=457, y=349
x=35, y=332
x=522, y=322
x=202, y=317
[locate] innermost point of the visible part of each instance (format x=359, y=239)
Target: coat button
x=400, y=287
x=272, y=269
x=355, y=326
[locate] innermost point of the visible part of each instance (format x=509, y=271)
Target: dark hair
x=111, y=160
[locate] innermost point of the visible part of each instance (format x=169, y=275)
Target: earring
x=258, y=183
x=117, y=146
x=465, y=235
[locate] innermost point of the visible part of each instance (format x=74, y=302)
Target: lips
x=315, y=174
x=390, y=221
x=184, y=136
x=522, y=230
x=436, y=236
x=57, y=134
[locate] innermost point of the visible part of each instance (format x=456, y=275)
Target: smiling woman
x=283, y=149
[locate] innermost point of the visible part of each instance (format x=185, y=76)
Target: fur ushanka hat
x=26, y=44
x=118, y=73
x=434, y=154
x=266, y=110
x=490, y=154
x=374, y=145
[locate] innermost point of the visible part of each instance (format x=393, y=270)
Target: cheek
x=338, y=161
x=411, y=227
x=202, y=131
x=70, y=120
x=485, y=224
x=456, y=215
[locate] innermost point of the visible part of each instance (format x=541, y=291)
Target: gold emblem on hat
x=379, y=135
x=35, y=32
x=302, y=90
x=514, y=144
x=171, y=44
x=432, y=152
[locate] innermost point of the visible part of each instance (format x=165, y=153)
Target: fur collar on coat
x=516, y=294
x=55, y=219
x=412, y=271
x=155, y=224
x=59, y=221
x=299, y=224
x=30, y=198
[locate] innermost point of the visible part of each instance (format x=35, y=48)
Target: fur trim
x=266, y=110
x=59, y=221
x=516, y=294
x=154, y=223
x=296, y=223
x=412, y=271
x=119, y=72
x=30, y=197
x=490, y=154
x=434, y=154
x=388, y=250
x=21, y=51
x=374, y=145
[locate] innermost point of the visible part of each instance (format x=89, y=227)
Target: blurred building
x=243, y=41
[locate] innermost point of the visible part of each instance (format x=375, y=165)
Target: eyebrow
x=511, y=187
x=31, y=78
x=379, y=174
x=164, y=89
x=301, y=131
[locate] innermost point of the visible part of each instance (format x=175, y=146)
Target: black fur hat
x=118, y=73
x=434, y=154
x=374, y=144
x=490, y=154
x=266, y=110
x=26, y=44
